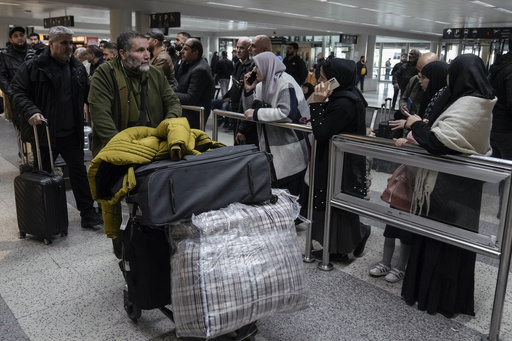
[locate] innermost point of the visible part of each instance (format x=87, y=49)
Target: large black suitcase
x=147, y=268
x=41, y=205
x=168, y=191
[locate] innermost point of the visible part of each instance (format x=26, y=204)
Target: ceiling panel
x=400, y=18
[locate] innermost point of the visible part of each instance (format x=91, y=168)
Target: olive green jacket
x=111, y=101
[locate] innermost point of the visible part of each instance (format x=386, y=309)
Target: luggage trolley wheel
x=64, y=234
x=131, y=309
x=47, y=241
x=22, y=235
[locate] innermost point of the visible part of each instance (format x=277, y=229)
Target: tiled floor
x=72, y=289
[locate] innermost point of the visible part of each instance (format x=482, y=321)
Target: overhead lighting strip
x=264, y=10
x=224, y=5
x=481, y=3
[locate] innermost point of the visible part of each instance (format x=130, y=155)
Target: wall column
x=369, y=82
x=4, y=34
x=120, y=21
x=142, y=22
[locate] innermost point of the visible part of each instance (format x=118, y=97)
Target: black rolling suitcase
x=147, y=269
x=384, y=129
x=41, y=205
x=168, y=191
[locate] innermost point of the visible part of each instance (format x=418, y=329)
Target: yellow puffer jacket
x=172, y=139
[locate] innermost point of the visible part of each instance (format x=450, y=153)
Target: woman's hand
x=249, y=113
x=322, y=92
x=398, y=124
x=400, y=142
x=410, y=120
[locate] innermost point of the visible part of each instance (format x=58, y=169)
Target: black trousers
x=73, y=154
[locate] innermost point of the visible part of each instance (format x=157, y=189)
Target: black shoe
x=117, y=243
x=335, y=257
x=91, y=219
x=358, y=251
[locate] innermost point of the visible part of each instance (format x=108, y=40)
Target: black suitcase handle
x=38, y=150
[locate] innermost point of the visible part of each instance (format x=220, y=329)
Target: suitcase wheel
x=63, y=234
x=47, y=241
x=22, y=235
x=131, y=309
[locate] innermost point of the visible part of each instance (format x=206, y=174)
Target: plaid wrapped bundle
x=245, y=265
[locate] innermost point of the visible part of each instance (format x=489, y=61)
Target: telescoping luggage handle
x=38, y=151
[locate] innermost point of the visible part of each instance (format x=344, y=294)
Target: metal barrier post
x=311, y=194
x=503, y=273
x=200, y=110
x=324, y=264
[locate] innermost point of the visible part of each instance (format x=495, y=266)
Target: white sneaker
x=380, y=270
x=395, y=275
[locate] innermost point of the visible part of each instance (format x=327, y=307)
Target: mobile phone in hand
x=334, y=83
x=409, y=104
x=251, y=78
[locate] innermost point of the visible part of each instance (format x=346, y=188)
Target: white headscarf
x=271, y=69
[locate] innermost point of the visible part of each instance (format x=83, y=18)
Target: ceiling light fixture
x=442, y=22
x=295, y=14
x=322, y=18
x=263, y=10
x=8, y=4
x=224, y=5
x=503, y=10
x=481, y=3
x=370, y=9
x=340, y=4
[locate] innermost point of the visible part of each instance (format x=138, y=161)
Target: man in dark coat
x=10, y=61
x=407, y=70
x=54, y=87
x=295, y=66
x=195, y=83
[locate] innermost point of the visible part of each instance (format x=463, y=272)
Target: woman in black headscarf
x=432, y=80
x=439, y=276
x=344, y=112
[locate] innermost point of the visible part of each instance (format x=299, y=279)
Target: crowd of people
x=140, y=81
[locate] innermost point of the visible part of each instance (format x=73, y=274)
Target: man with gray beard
x=119, y=96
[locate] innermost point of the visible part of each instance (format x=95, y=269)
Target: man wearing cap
x=54, y=87
x=160, y=57
x=10, y=61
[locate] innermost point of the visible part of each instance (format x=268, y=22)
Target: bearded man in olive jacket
x=127, y=91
